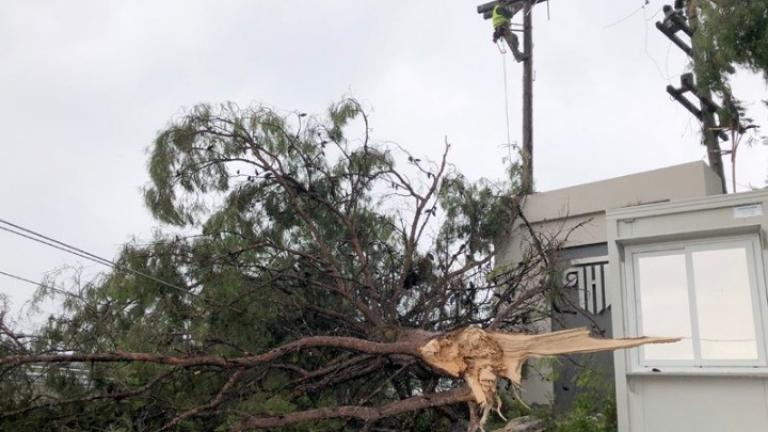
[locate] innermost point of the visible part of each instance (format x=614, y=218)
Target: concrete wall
x=560, y=210
x=582, y=209
x=589, y=266
x=674, y=399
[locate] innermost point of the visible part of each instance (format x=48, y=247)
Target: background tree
x=304, y=275
x=729, y=34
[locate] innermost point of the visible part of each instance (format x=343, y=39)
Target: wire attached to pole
x=506, y=99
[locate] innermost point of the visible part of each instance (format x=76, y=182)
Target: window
x=708, y=293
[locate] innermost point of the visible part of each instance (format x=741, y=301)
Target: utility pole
x=674, y=22
x=708, y=123
x=527, y=152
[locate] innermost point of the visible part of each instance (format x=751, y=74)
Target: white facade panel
x=719, y=380
x=701, y=404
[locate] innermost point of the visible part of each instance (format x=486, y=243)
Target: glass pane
x=664, y=307
x=724, y=301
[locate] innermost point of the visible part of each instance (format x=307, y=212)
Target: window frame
x=758, y=296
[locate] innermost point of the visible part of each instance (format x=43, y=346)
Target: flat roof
x=689, y=180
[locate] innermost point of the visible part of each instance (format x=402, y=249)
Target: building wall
x=673, y=399
x=585, y=305
x=580, y=211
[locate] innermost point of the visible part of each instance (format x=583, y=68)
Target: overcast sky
x=86, y=85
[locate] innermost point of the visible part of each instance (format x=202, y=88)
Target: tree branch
x=409, y=347
x=114, y=396
x=364, y=413
x=216, y=401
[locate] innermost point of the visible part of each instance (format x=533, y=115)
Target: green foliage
x=592, y=410
x=281, y=228
x=478, y=211
x=729, y=33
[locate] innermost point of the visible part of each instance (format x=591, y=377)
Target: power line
x=615, y=23
x=23, y=279
x=91, y=256
x=633, y=13
x=65, y=247
x=506, y=103
x=20, y=234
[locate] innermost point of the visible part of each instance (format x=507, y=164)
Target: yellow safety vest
x=498, y=19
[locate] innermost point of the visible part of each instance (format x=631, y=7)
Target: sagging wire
x=503, y=53
x=631, y=14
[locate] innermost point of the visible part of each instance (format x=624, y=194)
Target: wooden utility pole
x=527, y=151
x=674, y=23
x=708, y=122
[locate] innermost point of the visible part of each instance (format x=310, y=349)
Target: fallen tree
x=315, y=284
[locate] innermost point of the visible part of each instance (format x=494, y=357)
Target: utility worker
x=501, y=18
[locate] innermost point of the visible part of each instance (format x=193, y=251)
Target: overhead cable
x=23, y=279
x=65, y=247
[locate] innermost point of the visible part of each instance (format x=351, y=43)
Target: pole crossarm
x=486, y=9
x=676, y=21
x=687, y=85
x=670, y=33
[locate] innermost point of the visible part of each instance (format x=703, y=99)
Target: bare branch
x=364, y=413
x=409, y=347
x=215, y=402
x=113, y=396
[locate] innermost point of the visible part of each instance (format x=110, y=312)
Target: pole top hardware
x=486, y=9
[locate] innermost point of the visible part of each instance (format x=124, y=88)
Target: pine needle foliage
x=278, y=229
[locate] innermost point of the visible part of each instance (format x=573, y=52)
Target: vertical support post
x=527, y=149
x=711, y=141
x=708, y=123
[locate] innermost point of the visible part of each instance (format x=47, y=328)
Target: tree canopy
x=289, y=237
x=303, y=282
x=729, y=33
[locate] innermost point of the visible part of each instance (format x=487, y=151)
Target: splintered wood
x=480, y=357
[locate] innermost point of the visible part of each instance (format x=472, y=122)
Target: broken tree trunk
x=481, y=357
x=472, y=354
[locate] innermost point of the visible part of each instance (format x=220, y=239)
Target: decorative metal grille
x=588, y=279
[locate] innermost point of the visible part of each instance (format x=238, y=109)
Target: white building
x=665, y=253
x=692, y=268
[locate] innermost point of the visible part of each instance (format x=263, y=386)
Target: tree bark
x=409, y=346
x=526, y=179
x=364, y=413
x=471, y=354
